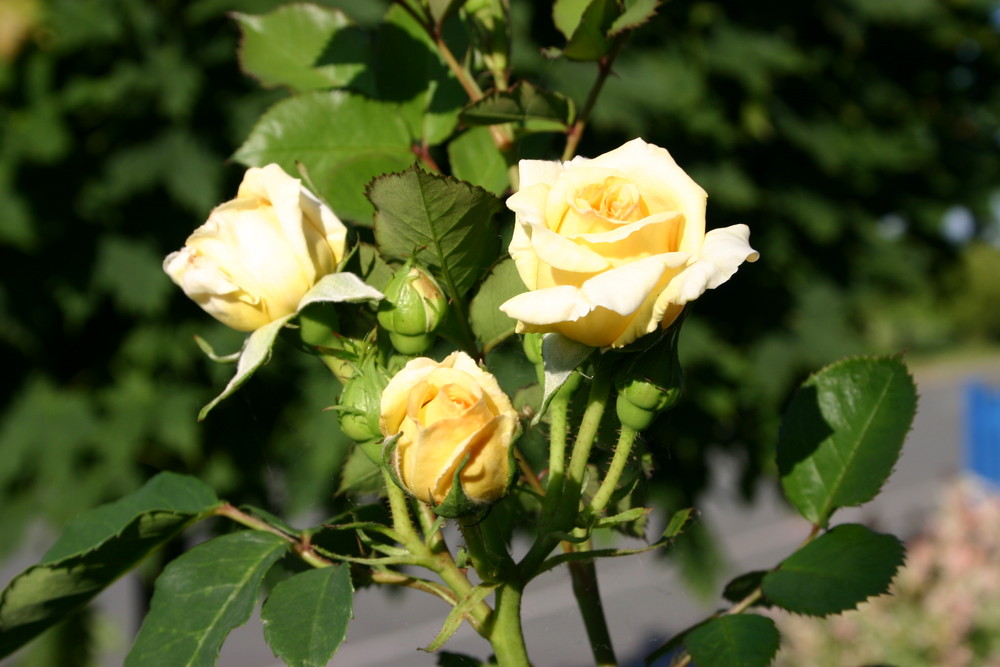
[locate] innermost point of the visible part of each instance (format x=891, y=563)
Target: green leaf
x=836, y=571
x=446, y=223
x=201, y=596
x=843, y=432
x=95, y=549
x=590, y=40
x=344, y=140
x=360, y=474
x=490, y=325
x=166, y=492
x=305, y=617
x=561, y=357
x=524, y=103
x=335, y=287
x=636, y=13
x=302, y=46
x=737, y=640
x=743, y=585
x=476, y=159
x=566, y=14
x=410, y=72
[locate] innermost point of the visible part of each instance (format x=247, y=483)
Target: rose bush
x=611, y=248
x=452, y=419
x=258, y=254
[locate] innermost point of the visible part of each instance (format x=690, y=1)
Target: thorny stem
x=588, y=599
x=603, y=70
x=567, y=504
x=301, y=547
x=618, y=462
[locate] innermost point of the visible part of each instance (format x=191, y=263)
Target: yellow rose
x=613, y=247
x=257, y=255
x=449, y=414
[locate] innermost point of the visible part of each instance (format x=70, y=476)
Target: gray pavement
x=643, y=597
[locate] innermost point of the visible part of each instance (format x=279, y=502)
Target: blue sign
x=982, y=431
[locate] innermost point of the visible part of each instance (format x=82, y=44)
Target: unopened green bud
x=650, y=384
x=413, y=307
x=359, y=406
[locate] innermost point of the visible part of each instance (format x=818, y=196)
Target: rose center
x=613, y=198
x=448, y=401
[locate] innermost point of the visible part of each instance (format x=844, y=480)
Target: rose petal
x=561, y=253
x=721, y=255
x=663, y=184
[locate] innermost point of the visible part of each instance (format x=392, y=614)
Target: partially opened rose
x=453, y=421
x=257, y=255
x=611, y=248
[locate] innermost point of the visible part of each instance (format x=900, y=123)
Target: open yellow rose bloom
x=449, y=413
x=258, y=254
x=611, y=248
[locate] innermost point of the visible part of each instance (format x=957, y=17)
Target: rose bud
x=413, y=307
x=258, y=254
x=450, y=431
x=612, y=248
x=651, y=383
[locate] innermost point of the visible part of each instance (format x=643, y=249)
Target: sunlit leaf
x=201, y=596
x=843, y=432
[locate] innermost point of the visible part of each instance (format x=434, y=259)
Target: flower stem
x=507, y=634
x=566, y=504
x=618, y=462
x=588, y=599
x=600, y=386
x=604, y=69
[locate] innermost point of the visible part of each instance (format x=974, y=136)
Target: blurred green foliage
x=840, y=132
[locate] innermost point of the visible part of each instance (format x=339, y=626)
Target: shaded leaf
x=836, y=571
x=737, y=640
x=489, y=323
x=305, y=617
x=446, y=223
x=743, y=585
x=201, y=596
x=343, y=139
x=523, y=103
x=410, y=72
x=475, y=158
x=843, y=432
x=302, y=46
x=590, y=40
x=96, y=549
